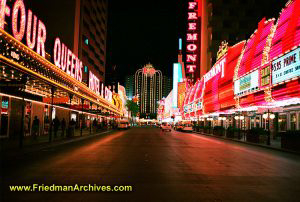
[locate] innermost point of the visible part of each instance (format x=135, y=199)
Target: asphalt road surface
x=160, y=166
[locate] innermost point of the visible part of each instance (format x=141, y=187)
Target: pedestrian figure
x=35, y=127
x=63, y=127
x=95, y=124
x=72, y=127
x=27, y=126
x=56, y=124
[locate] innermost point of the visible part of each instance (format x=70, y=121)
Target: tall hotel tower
x=148, y=88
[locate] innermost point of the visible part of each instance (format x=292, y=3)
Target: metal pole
x=23, y=114
x=269, y=138
x=91, y=119
x=239, y=125
x=82, y=101
x=51, y=111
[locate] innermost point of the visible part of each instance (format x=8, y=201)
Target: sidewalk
x=275, y=144
x=11, y=147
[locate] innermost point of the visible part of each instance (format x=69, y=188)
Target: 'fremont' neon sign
x=35, y=29
x=192, y=37
x=217, y=68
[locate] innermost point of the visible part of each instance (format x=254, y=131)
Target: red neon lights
x=57, y=52
x=256, y=41
x=63, y=63
x=94, y=83
x=191, y=47
x=192, y=16
x=4, y=11
x=191, y=58
x=19, y=25
x=41, y=39
x=18, y=7
x=66, y=60
x=31, y=39
x=191, y=68
x=192, y=37
x=192, y=5
x=254, y=50
x=192, y=26
x=288, y=30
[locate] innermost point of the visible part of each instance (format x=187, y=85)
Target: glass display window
x=282, y=122
x=293, y=121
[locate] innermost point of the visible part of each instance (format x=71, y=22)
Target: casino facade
x=255, y=83
x=34, y=83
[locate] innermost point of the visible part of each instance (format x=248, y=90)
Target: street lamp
x=269, y=116
x=239, y=118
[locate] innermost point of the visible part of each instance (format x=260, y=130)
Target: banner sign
x=56, y=100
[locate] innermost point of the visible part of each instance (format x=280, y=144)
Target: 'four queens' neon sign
x=29, y=26
x=35, y=29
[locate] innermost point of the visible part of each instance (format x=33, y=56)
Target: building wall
x=129, y=86
x=230, y=20
x=167, y=86
x=92, y=37
x=150, y=92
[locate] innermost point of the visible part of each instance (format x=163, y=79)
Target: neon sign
x=66, y=60
x=108, y=94
x=94, y=83
x=217, y=68
x=28, y=27
x=286, y=67
x=35, y=32
x=192, y=37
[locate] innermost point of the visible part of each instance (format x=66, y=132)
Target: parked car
x=123, y=124
x=187, y=127
x=178, y=127
x=166, y=126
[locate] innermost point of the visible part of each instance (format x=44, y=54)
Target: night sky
x=149, y=32
x=143, y=33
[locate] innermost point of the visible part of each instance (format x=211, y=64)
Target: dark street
x=160, y=166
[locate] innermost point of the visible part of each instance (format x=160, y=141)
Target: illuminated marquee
x=286, y=67
x=246, y=83
x=66, y=60
x=94, y=83
x=192, y=37
x=35, y=29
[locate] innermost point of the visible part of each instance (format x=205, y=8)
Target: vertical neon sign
x=192, y=38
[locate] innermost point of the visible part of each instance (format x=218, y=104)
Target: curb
x=250, y=143
x=52, y=144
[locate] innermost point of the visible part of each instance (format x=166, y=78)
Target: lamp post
x=239, y=118
x=269, y=116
